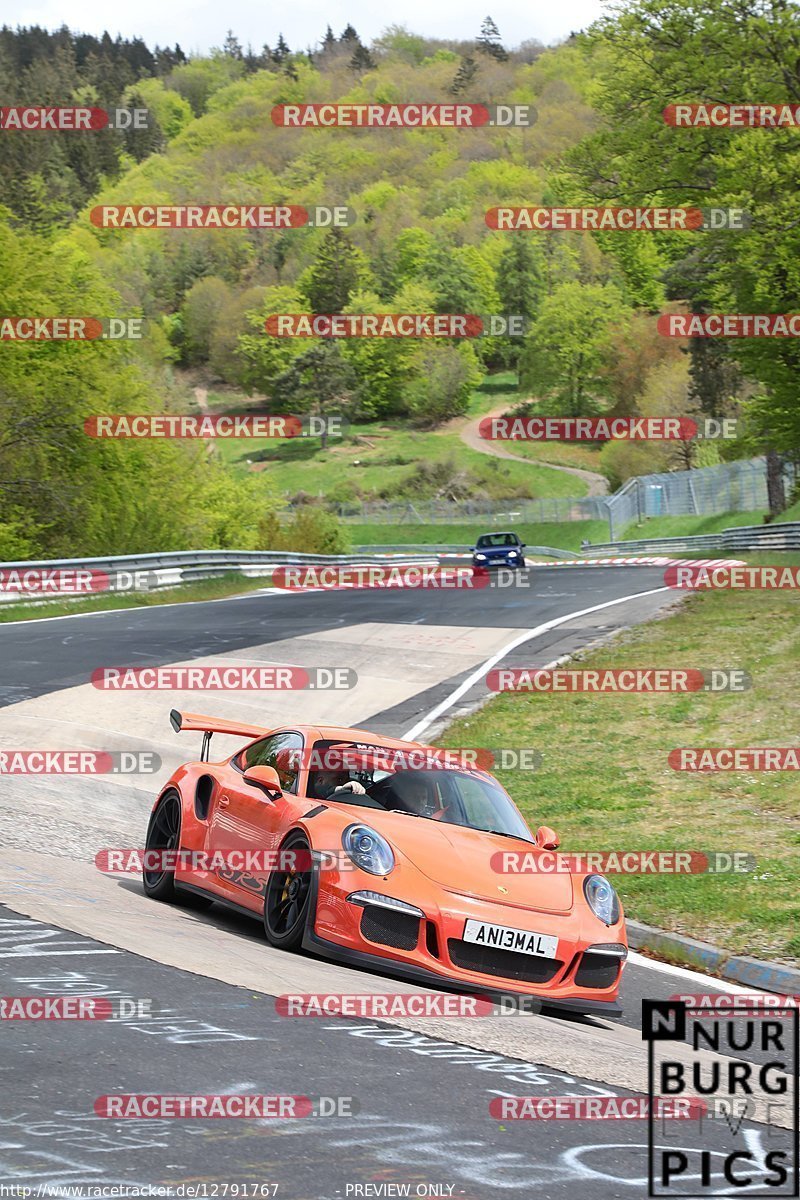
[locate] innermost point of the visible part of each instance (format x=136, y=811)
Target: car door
x=243, y=819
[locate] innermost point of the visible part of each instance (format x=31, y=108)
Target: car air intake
x=506, y=963
x=597, y=970
x=390, y=928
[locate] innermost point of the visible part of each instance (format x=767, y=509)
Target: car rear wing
x=182, y=722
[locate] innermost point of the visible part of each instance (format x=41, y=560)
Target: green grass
x=605, y=783
x=560, y=454
x=229, y=584
x=653, y=527
x=565, y=535
x=379, y=459
x=561, y=535
x=791, y=514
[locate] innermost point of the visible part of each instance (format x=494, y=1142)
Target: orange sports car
x=383, y=854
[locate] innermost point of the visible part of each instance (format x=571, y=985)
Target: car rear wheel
x=164, y=833
x=288, y=898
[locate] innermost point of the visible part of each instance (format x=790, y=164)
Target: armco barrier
x=184, y=566
x=785, y=536
x=443, y=549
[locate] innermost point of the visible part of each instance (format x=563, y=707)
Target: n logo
x=663, y=1020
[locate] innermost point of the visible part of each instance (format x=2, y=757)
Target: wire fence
x=468, y=512
x=739, y=486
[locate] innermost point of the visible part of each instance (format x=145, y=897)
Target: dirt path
x=596, y=483
x=201, y=396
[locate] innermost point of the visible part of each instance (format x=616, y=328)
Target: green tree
x=362, y=60
x=444, y=377
x=489, y=42
x=464, y=76
x=318, y=381
x=264, y=358
x=205, y=301
x=569, y=347
x=339, y=269
x=717, y=51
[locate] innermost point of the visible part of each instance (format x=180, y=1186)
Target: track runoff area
x=186, y=1069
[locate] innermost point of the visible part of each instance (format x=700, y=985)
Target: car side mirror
x=265, y=778
x=522, y=545
x=546, y=838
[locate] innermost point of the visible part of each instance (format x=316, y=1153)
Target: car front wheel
x=163, y=834
x=288, y=898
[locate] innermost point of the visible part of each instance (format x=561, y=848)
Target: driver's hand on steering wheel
x=352, y=786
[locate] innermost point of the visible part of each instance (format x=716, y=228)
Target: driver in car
x=328, y=783
x=415, y=795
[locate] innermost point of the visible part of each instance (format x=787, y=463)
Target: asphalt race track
x=418, y=1090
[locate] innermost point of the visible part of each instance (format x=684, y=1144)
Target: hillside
x=416, y=242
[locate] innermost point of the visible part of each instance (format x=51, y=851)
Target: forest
x=420, y=242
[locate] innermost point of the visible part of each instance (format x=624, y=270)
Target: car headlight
x=481, y=556
x=513, y=553
x=602, y=899
x=368, y=849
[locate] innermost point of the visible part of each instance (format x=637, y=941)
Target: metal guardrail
x=780, y=535
x=777, y=536
x=131, y=573
x=443, y=548
x=711, y=541
x=184, y=558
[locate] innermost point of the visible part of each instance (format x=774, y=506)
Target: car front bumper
x=339, y=934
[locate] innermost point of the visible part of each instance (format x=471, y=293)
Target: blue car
x=498, y=550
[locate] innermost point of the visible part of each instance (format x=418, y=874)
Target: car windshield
x=454, y=796
x=489, y=540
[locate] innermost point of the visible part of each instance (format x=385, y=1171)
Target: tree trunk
x=776, y=493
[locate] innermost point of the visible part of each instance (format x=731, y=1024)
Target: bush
x=311, y=530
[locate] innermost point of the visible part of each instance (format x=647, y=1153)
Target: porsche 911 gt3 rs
x=382, y=854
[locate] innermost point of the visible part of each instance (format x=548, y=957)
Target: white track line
x=413, y=734
x=711, y=981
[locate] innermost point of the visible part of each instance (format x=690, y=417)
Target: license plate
x=501, y=937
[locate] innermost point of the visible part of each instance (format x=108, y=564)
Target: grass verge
x=229, y=584
x=605, y=783
x=565, y=535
